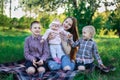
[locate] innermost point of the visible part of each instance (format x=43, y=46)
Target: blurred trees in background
x=86, y=12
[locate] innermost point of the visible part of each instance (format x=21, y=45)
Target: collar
x=87, y=39
x=36, y=38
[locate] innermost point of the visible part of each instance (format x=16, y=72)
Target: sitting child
x=87, y=50
x=35, y=53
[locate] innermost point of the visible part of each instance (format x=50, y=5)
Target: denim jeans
x=52, y=65
x=67, y=62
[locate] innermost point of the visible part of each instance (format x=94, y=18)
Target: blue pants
x=65, y=62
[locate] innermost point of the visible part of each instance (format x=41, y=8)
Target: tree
x=2, y=6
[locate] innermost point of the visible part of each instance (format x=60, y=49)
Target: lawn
x=11, y=49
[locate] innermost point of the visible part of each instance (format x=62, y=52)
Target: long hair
x=74, y=31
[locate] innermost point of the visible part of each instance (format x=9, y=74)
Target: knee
x=66, y=68
x=81, y=68
x=41, y=69
x=30, y=70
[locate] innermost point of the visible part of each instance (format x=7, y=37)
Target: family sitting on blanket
x=37, y=54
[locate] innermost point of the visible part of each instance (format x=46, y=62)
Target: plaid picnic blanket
x=18, y=69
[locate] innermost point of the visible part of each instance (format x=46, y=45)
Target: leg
x=30, y=70
x=60, y=52
x=41, y=69
x=90, y=66
x=53, y=51
x=81, y=67
x=67, y=64
x=53, y=65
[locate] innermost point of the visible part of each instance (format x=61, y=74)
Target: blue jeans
x=52, y=65
x=67, y=62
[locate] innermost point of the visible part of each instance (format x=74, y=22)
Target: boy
x=35, y=52
x=87, y=50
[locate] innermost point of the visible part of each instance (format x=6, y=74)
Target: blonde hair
x=90, y=29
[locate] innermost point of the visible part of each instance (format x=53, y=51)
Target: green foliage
x=24, y=22
x=110, y=33
x=47, y=18
x=102, y=32
x=114, y=20
x=98, y=21
x=4, y=20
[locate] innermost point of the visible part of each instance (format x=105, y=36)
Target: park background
x=104, y=15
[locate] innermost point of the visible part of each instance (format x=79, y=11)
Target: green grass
x=11, y=49
x=12, y=43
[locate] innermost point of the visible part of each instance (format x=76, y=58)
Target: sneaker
x=111, y=68
x=105, y=70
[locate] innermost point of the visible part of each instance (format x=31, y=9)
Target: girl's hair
x=74, y=31
x=34, y=23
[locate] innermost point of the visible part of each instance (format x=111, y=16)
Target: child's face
x=35, y=29
x=55, y=27
x=86, y=34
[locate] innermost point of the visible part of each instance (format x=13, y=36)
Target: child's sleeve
x=74, y=44
x=27, y=54
x=96, y=54
x=45, y=51
x=46, y=34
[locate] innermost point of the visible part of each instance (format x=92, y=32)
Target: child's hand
x=51, y=36
x=102, y=66
x=34, y=63
x=70, y=36
x=41, y=41
x=40, y=62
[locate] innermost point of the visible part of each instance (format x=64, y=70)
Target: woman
x=69, y=24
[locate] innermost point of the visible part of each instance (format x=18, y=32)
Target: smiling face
x=67, y=24
x=35, y=29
